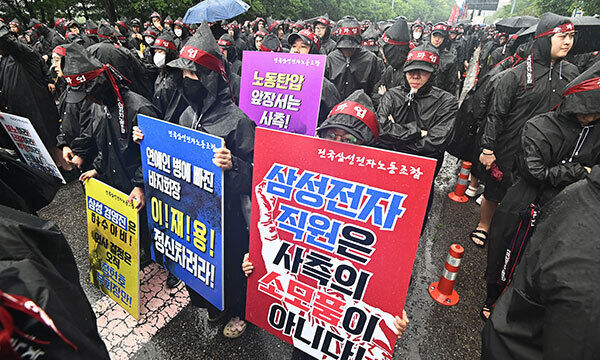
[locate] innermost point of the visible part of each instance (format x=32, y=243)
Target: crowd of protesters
x=527, y=125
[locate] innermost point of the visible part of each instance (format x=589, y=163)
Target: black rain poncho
x=431, y=109
x=360, y=71
x=550, y=309
x=24, y=89
x=217, y=115
x=554, y=148
x=515, y=102
x=36, y=262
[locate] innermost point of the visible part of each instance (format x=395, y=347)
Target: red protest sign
x=335, y=229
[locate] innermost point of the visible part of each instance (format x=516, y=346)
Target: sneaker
x=172, y=281
x=478, y=201
x=472, y=192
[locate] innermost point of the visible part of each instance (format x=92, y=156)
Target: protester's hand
x=391, y=118
x=247, y=265
x=51, y=88
x=423, y=133
x=588, y=169
x=382, y=90
x=466, y=64
x=77, y=161
x=138, y=194
x=222, y=158
x=68, y=154
x=400, y=323
x=45, y=57
x=137, y=134
x=88, y=175
x=487, y=159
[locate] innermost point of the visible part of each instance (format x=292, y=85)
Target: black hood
x=582, y=98
x=227, y=42
x=185, y=31
x=166, y=41
x=353, y=124
x=214, y=80
x=396, y=54
x=542, y=45
x=325, y=21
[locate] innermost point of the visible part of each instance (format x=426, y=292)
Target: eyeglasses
x=347, y=138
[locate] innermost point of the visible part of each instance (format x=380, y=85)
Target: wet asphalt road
x=435, y=331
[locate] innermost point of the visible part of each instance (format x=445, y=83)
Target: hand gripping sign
x=184, y=202
x=333, y=238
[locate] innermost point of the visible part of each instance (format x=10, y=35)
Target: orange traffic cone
x=443, y=291
x=458, y=194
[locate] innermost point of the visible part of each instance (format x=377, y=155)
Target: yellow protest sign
x=113, y=229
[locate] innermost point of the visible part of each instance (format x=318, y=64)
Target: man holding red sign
x=323, y=265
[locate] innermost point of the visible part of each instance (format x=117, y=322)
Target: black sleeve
x=440, y=131
x=391, y=132
x=500, y=107
x=242, y=149
x=537, y=156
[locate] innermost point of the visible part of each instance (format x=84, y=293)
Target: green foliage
x=538, y=7
x=560, y=7
x=434, y=10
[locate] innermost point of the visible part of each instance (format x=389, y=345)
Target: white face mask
x=178, y=32
x=149, y=41
x=159, y=59
x=417, y=34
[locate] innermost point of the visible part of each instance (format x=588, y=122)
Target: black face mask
x=194, y=91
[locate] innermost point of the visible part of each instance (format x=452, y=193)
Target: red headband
x=203, y=58
x=559, y=29
x=149, y=32
x=264, y=48
x=261, y=33
x=387, y=40
x=360, y=112
x=78, y=79
x=311, y=35
x=349, y=30
x=59, y=21
x=60, y=51
x=91, y=31
x=369, y=43
x=421, y=55
x=274, y=25
x=440, y=27
x=36, y=26
x=180, y=23
x=324, y=21
x=223, y=42
x=122, y=24
x=28, y=307
x=165, y=44
x=104, y=36
x=588, y=85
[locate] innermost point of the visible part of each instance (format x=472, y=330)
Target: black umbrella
x=588, y=34
x=513, y=24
